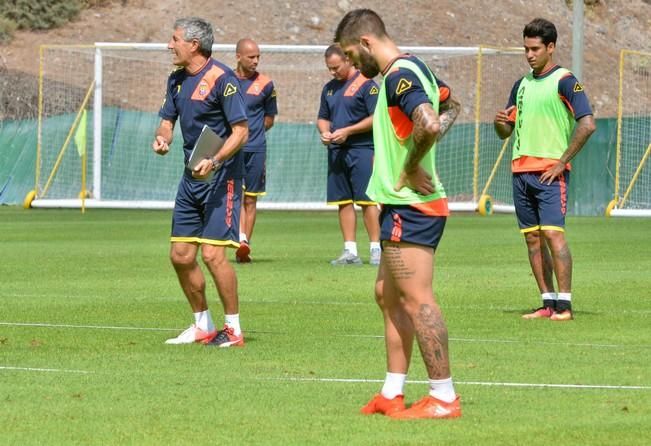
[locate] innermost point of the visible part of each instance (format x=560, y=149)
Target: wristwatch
x=216, y=164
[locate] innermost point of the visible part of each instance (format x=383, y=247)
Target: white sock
x=442, y=389
x=394, y=384
x=243, y=237
x=375, y=245
x=233, y=321
x=565, y=296
x=351, y=247
x=203, y=320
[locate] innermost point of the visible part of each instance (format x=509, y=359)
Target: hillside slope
x=609, y=26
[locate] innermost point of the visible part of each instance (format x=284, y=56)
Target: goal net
x=98, y=108
x=633, y=167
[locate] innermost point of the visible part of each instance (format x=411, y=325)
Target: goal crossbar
x=109, y=117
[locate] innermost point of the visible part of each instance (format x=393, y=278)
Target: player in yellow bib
x=541, y=113
x=414, y=110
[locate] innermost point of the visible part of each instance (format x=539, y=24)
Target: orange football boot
x=430, y=407
x=242, y=253
x=565, y=315
x=385, y=406
x=539, y=313
x=226, y=338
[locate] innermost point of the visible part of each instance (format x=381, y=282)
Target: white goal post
x=98, y=109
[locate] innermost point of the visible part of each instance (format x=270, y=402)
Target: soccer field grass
x=86, y=302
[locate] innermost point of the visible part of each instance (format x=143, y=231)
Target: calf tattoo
x=432, y=335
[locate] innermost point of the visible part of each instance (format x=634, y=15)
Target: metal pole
x=577, y=39
x=97, y=127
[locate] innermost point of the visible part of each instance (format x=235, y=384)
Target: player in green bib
x=550, y=119
x=413, y=111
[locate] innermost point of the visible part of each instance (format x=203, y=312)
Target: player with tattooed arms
x=414, y=110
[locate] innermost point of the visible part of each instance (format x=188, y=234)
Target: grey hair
x=199, y=29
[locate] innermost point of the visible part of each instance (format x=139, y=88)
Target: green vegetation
x=86, y=302
x=39, y=14
x=7, y=28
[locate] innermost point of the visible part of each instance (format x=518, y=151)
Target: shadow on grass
x=574, y=312
x=257, y=260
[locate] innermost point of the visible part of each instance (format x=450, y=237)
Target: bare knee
x=182, y=257
x=425, y=315
x=532, y=238
x=213, y=255
x=419, y=301
x=553, y=236
x=387, y=297
x=535, y=243
x=250, y=201
x=555, y=240
x=370, y=209
x=410, y=306
x=379, y=293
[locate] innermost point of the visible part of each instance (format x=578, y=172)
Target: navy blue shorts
x=537, y=205
x=403, y=223
x=208, y=211
x=348, y=173
x=255, y=176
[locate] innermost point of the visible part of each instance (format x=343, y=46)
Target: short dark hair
x=357, y=23
x=541, y=28
x=334, y=49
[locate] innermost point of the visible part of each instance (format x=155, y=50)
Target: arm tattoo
x=426, y=132
x=583, y=130
x=449, y=110
x=426, y=129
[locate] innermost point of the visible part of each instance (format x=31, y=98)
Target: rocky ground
x=610, y=25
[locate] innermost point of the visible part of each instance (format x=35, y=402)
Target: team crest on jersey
x=256, y=88
x=403, y=85
x=203, y=88
x=230, y=89
x=578, y=88
x=373, y=90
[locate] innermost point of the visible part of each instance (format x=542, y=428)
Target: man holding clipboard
x=204, y=93
x=207, y=147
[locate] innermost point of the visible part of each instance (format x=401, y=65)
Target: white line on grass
x=35, y=369
x=94, y=327
x=468, y=340
x=369, y=302
x=467, y=383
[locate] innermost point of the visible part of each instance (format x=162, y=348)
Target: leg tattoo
x=432, y=335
